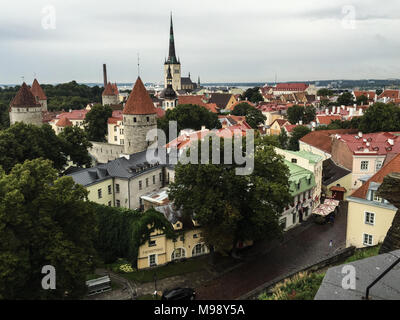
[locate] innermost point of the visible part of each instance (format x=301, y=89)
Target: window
x=115, y=138
x=115, y=128
x=154, y=179
x=369, y=218
x=294, y=160
x=118, y=203
x=195, y=236
x=152, y=260
x=109, y=189
x=121, y=141
x=178, y=253
x=198, y=249
x=117, y=188
x=367, y=239
x=121, y=131
x=148, y=119
x=109, y=203
x=376, y=198
x=364, y=165
x=152, y=243
x=99, y=193
x=134, y=119
x=140, y=185
x=378, y=165
x=182, y=238
x=160, y=176
x=147, y=182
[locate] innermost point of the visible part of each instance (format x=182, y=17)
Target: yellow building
x=336, y=180
x=160, y=250
x=369, y=217
x=276, y=126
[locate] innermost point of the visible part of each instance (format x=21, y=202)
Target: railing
x=379, y=278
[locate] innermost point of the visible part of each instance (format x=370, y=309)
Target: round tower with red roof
x=110, y=94
x=139, y=117
x=25, y=108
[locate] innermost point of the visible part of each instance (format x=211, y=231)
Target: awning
x=335, y=188
x=331, y=202
x=323, y=210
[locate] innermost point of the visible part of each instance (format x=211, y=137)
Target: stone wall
x=104, y=152
x=107, y=100
x=26, y=115
x=135, y=131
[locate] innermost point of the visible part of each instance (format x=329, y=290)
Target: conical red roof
x=110, y=90
x=38, y=91
x=139, y=101
x=24, y=98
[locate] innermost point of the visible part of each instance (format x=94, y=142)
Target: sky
x=218, y=40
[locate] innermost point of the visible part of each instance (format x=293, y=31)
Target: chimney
x=360, y=112
x=326, y=111
x=333, y=110
x=105, y=74
x=360, y=134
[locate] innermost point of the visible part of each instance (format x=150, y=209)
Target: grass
x=162, y=272
x=363, y=253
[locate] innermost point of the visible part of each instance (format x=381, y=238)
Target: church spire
x=172, y=56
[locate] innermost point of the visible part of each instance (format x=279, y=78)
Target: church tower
x=25, y=108
x=39, y=94
x=169, y=95
x=172, y=63
x=139, y=117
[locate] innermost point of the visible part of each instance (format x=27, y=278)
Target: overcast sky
x=222, y=41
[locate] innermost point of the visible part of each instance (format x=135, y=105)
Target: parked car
x=179, y=294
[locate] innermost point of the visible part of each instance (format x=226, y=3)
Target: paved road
x=306, y=245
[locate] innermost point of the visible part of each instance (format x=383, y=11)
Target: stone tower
x=169, y=95
x=25, y=108
x=39, y=94
x=110, y=94
x=173, y=63
x=139, y=116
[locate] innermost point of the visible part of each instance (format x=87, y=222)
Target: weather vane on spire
x=138, y=64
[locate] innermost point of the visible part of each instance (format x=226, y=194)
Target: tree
x=189, y=116
x=229, y=207
x=380, y=117
x=254, y=116
x=345, y=99
x=324, y=92
x=295, y=114
x=362, y=100
x=76, y=145
x=26, y=141
x=96, y=122
x=390, y=190
x=297, y=133
x=242, y=109
x=283, y=139
x=44, y=220
x=253, y=95
x=309, y=114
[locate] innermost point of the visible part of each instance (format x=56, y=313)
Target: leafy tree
x=362, y=100
x=297, y=133
x=189, y=116
x=309, y=114
x=96, y=122
x=345, y=99
x=229, y=207
x=379, y=92
x=254, y=116
x=44, y=221
x=324, y=92
x=76, y=145
x=4, y=116
x=380, y=117
x=283, y=139
x=242, y=109
x=26, y=141
x=295, y=114
x=253, y=95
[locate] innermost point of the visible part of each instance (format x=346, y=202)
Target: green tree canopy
x=345, y=99
x=362, y=100
x=283, y=139
x=253, y=95
x=295, y=114
x=380, y=117
x=325, y=92
x=309, y=114
x=297, y=133
x=230, y=207
x=96, y=122
x=76, y=145
x=43, y=221
x=189, y=116
x=254, y=116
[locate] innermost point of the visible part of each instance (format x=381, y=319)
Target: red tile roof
x=392, y=166
x=280, y=122
x=369, y=94
x=64, y=122
x=160, y=112
x=111, y=90
x=289, y=127
x=188, y=99
x=322, y=139
x=394, y=94
x=372, y=143
x=24, y=98
x=139, y=101
x=291, y=87
x=37, y=91
x=324, y=119
x=212, y=107
x=74, y=114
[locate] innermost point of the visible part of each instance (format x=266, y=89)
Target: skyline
x=209, y=42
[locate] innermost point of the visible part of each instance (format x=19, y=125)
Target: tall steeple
x=171, y=55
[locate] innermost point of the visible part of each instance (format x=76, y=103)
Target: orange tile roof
x=64, y=122
x=110, y=90
x=24, y=98
x=324, y=119
x=37, y=91
x=139, y=101
x=392, y=166
x=188, y=99
x=322, y=139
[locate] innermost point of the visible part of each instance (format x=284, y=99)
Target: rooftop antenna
x=138, y=64
x=23, y=79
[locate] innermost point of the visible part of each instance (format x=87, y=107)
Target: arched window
x=178, y=253
x=199, y=249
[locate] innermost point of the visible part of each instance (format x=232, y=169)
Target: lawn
x=363, y=253
x=169, y=270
